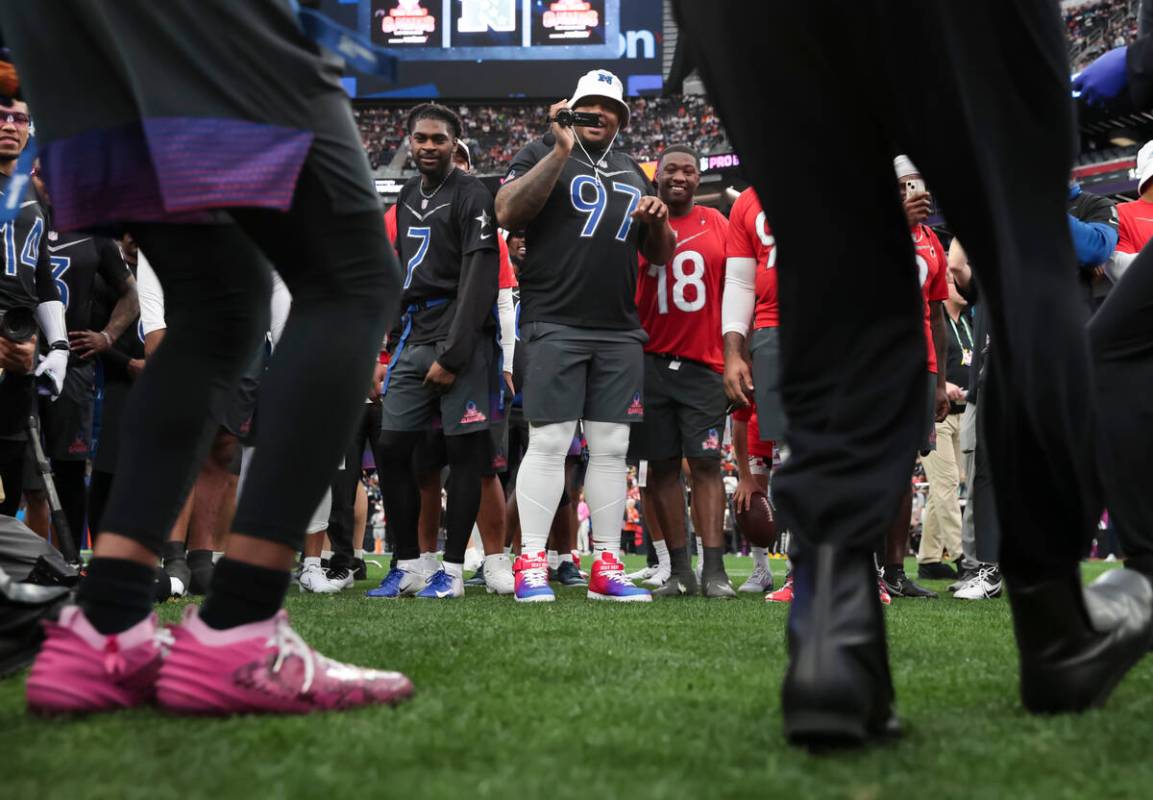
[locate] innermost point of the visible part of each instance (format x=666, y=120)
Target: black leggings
x=216, y=279
x=340, y=522
x=12, y=475
x=469, y=455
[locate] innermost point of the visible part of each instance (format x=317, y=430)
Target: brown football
x=758, y=524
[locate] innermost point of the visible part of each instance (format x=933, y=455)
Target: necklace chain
x=426, y=197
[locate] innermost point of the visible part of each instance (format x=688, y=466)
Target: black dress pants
x=977, y=94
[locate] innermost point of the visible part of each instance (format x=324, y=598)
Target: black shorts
x=684, y=411
x=66, y=422
x=467, y=407
x=239, y=413
x=765, y=348
x=582, y=373
x=432, y=453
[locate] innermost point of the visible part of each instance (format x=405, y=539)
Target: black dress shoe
x=937, y=571
x=837, y=691
x=1077, y=643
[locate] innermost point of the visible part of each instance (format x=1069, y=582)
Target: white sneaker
x=660, y=577
x=413, y=581
x=313, y=579
x=340, y=578
x=760, y=581
x=498, y=577
x=985, y=585
x=642, y=574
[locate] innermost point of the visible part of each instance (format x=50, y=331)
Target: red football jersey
x=680, y=304
x=756, y=446
x=390, y=224
x=751, y=237
x=1136, y=225
x=932, y=268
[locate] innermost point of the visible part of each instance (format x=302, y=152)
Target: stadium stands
x=1097, y=26
x=495, y=132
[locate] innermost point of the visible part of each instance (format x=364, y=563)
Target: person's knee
x=607, y=439
x=704, y=470
x=663, y=473
x=552, y=440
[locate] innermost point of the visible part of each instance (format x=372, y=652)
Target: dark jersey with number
x=435, y=236
x=26, y=277
x=76, y=260
x=581, y=264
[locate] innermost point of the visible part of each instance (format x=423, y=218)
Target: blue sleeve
x=1093, y=241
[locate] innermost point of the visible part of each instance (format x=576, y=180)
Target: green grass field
x=583, y=700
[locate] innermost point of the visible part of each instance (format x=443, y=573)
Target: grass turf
x=578, y=699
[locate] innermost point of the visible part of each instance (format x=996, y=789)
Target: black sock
x=894, y=570
x=172, y=549
x=116, y=594
x=714, y=561
x=242, y=593
x=201, y=566
x=679, y=560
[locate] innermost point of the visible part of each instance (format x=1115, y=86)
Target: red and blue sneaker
x=531, y=572
x=609, y=582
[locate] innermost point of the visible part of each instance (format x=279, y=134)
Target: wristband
x=107, y=337
x=60, y=345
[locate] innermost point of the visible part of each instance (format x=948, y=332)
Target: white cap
x=460, y=145
x=1144, y=165
x=601, y=83
x=903, y=165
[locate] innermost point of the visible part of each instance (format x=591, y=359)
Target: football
x=758, y=523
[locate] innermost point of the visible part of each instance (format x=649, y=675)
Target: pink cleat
x=80, y=670
x=264, y=667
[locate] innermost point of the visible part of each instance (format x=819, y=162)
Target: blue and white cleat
x=442, y=586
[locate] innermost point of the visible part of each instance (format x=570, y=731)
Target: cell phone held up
x=577, y=119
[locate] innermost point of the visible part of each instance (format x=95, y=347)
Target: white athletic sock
x=605, y=483
x=495, y=558
x=508, y=552
x=662, y=553
x=760, y=557
x=428, y=563
x=540, y=482
x=553, y=559
x=454, y=570
x=700, y=547
x=358, y=553
x=312, y=562
x=566, y=557
x=326, y=554
x=410, y=564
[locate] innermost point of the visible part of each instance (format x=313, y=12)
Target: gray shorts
x=765, y=348
x=467, y=407
x=684, y=411
x=582, y=373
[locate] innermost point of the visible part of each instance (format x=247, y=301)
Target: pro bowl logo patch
x=472, y=414
x=712, y=441
x=636, y=407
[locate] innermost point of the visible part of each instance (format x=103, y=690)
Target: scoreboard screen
x=513, y=48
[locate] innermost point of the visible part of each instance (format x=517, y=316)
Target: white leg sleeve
x=605, y=482
x=540, y=482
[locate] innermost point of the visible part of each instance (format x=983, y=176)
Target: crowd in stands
x=1095, y=27
x=495, y=132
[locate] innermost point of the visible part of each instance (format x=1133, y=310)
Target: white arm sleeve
x=507, y=326
x=50, y=317
x=1117, y=264
x=740, y=298
x=151, y=296
x=281, y=305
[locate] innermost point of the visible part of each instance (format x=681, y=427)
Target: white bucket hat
x=1144, y=165
x=602, y=83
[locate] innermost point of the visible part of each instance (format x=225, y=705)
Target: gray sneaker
x=678, y=586
x=477, y=578
x=717, y=586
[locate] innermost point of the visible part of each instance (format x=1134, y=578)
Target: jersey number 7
x=422, y=235
x=595, y=208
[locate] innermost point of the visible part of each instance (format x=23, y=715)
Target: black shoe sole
x=821, y=731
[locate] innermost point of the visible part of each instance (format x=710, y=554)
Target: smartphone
x=914, y=186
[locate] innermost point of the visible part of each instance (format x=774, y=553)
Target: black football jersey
x=76, y=259
x=581, y=265
x=26, y=277
x=434, y=235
